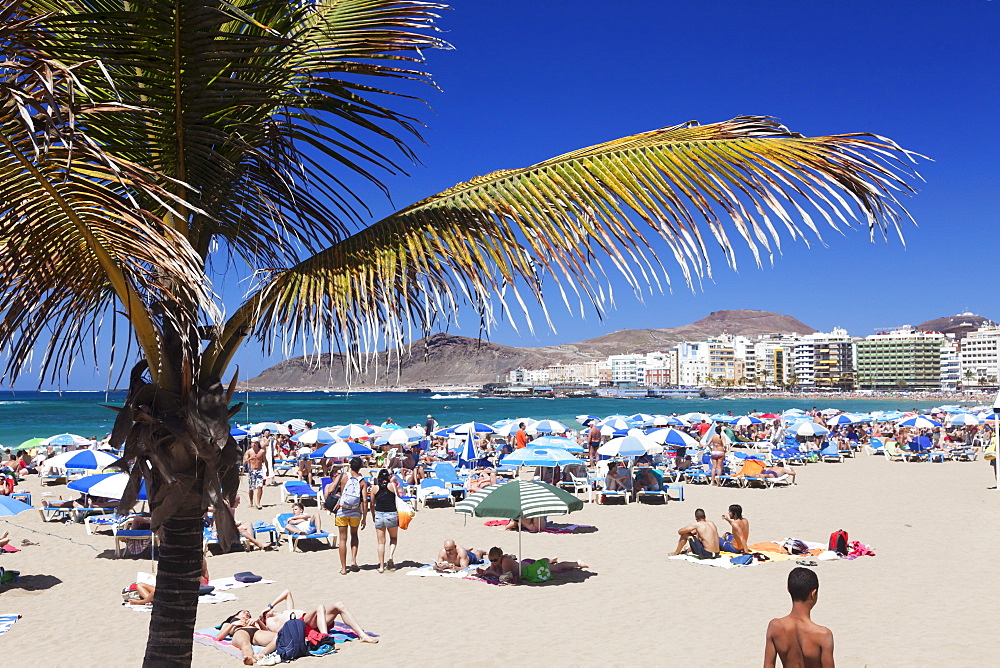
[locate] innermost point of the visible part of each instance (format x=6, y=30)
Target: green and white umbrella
x=512, y=500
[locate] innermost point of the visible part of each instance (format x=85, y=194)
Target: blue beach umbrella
x=341, y=450
x=540, y=457
x=962, y=419
x=617, y=423
x=444, y=433
x=643, y=419
x=313, y=436
x=106, y=485
x=467, y=456
x=719, y=417
x=745, y=421
x=585, y=420
x=843, y=418
x=628, y=446
x=673, y=437
x=473, y=427
x=80, y=459
x=918, y=422
x=66, y=439
x=354, y=431
x=550, y=427
x=9, y=506
x=238, y=433
x=567, y=444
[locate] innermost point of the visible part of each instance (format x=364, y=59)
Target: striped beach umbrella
x=745, y=421
x=512, y=500
x=918, y=422
x=80, y=459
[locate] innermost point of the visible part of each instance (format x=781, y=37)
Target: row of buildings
x=901, y=359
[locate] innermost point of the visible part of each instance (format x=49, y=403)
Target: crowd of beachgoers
x=335, y=481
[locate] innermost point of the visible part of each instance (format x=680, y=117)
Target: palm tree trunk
x=175, y=604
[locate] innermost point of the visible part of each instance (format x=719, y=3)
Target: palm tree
x=149, y=148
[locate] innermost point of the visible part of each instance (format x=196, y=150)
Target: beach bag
x=838, y=542
x=405, y=512
x=537, y=572
x=795, y=546
x=291, y=642
x=742, y=560
x=333, y=498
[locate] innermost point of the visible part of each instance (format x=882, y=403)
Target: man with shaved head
x=454, y=557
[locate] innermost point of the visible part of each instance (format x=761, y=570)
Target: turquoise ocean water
x=26, y=415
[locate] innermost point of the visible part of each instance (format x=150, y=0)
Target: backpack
x=350, y=499
x=838, y=542
x=291, y=642
x=795, y=546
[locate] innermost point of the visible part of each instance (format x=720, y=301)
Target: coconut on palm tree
x=153, y=152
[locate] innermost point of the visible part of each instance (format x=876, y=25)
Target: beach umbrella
x=629, y=446
x=616, y=417
x=80, y=459
x=719, y=417
x=672, y=437
x=843, y=418
x=608, y=430
x=809, y=429
x=617, y=423
x=540, y=457
x=585, y=420
x=549, y=427
x=890, y=416
x=106, y=485
x=962, y=419
x=238, y=433
x=66, y=439
x=298, y=424
x=745, y=421
x=567, y=444
x=513, y=499
x=444, y=433
x=918, y=422
x=341, y=450
x=30, y=443
x=9, y=506
x=473, y=428
x=670, y=421
x=274, y=427
x=643, y=419
x=696, y=417
x=404, y=436
x=467, y=456
x=354, y=431
x=768, y=416
x=314, y=436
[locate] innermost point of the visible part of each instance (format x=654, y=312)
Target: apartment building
x=903, y=359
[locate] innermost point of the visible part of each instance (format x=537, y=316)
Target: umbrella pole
x=520, y=530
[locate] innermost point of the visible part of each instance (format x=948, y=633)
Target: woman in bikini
x=245, y=633
x=717, y=446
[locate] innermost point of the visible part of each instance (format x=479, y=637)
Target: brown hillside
x=444, y=359
x=959, y=325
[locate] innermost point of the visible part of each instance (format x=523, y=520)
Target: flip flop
x=804, y=562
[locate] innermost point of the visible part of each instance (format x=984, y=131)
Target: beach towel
x=225, y=584
x=569, y=528
x=721, y=562
x=7, y=621
x=429, y=572
x=338, y=634
x=214, y=597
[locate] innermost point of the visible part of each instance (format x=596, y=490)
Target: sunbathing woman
x=533, y=524
x=321, y=618
x=138, y=593
x=300, y=522
x=506, y=568
x=245, y=632
x=483, y=479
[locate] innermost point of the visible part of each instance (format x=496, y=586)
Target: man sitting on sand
x=796, y=639
x=738, y=539
x=454, y=557
x=505, y=567
x=701, y=538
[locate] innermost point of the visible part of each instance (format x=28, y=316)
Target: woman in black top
x=383, y=495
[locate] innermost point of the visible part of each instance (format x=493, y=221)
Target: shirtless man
x=593, y=442
x=796, y=639
x=738, y=540
x=454, y=557
x=700, y=538
x=321, y=618
x=254, y=459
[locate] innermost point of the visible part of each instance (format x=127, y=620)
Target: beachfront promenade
x=922, y=600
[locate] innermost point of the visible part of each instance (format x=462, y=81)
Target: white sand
x=924, y=600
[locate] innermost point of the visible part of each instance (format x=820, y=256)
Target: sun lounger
x=125, y=533
x=296, y=490
x=433, y=489
x=892, y=452
x=105, y=522
x=875, y=446
x=285, y=466
x=49, y=513
x=293, y=538
x=446, y=472
x=675, y=487
x=830, y=452
x=407, y=491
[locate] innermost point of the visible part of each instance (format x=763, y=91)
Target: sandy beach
x=924, y=600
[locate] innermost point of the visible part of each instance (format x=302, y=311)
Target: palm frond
x=569, y=216
x=246, y=94
x=73, y=241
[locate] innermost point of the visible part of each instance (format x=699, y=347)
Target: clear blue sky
x=528, y=80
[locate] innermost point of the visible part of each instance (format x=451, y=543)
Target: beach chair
x=916, y=450
x=285, y=466
x=124, y=533
x=603, y=495
x=210, y=537
x=749, y=473
x=49, y=513
x=963, y=454
x=577, y=484
x=446, y=472
x=892, y=452
x=293, y=538
x=105, y=522
x=296, y=490
x=658, y=494
x=875, y=446
x=674, y=487
x=407, y=491
x=433, y=489
x=830, y=452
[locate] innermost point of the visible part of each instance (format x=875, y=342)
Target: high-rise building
x=978, y=359
x=903, y=359
x=825, y=360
